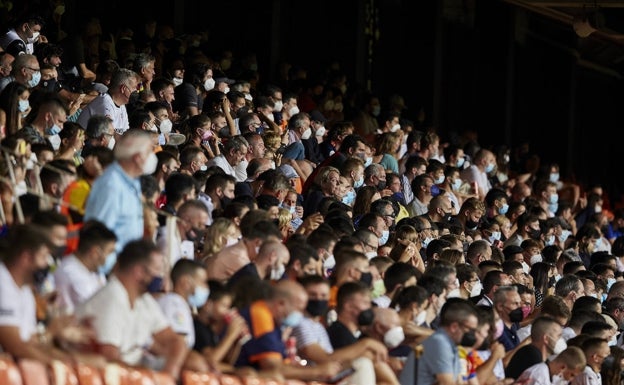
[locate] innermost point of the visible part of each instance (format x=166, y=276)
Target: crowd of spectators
x=164, y=207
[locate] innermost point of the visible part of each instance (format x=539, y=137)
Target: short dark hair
x=136, y=252
x=183, y=267
x=94, y=233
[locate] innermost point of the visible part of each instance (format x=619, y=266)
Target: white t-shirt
x=75, y=283
x=104, y=105
x=178, y=313
x=474, y=174
x=17, y=305
x=116, y=323
x=538, y=374
x=220, y=161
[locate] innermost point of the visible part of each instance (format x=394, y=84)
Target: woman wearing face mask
x=14, y=103
x=199, y=133
x=223, y=232
x=412, y=303
x=189, y=95
x=386, y=146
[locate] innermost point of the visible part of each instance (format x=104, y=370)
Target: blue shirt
x=440, y=356
x=266, y=336
x=115, y=200
x=509, y=338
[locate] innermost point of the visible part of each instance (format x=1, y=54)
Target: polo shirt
x=266, y=336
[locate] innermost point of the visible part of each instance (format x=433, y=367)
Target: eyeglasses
x=464, y=326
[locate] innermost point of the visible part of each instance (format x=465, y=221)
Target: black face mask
x=552, y=281
x=469, y=339
x=317, y=307
x=58, y=252
x=381, y=185
x=367, y=279
x=535, y=234
x=40, y=275
x=366, y=317
x=471, y=225
x=225, y=201
x=516, y=315
x=49, y=85
x=446, y=217
x=485, y=345
x=155, y=285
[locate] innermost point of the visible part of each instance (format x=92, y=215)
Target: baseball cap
x=317, y=116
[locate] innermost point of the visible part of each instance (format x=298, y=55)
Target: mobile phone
x=281, y=149
x=340, y=376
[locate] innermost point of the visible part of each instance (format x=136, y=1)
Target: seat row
x=31, y=372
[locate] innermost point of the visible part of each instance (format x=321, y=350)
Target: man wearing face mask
x=269, y=263
x=559, y=371
x=187, y=238
x=81, y=274
x=507, y=305
x=376, y=224
x=128, y=322
x=26, y=32
x=256, y=228
x=113, y=103
x=440, y=361
x=234, y=151
x=265, y=318
x=311, y=144
x=313, y=343
x=387, y=329
x=189, y=293
x=115, y=197
x=545, y=341
x=351, y=266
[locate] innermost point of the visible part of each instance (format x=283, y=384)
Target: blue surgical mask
x=460, y=162
x=54, y=130
x=554, y=198
x=384, y=237
x=503, y=210
x=564, y=235
x=426, y=242
x=439, y=180
x=456, y=184
x=23, y=105
x=368, y=162
x=496, y=235
x=554, y=177
x=293, y=319
x=35, y=79
x=489, y=168
x=108, y=265
x=610, y=282
x=199, y=296
x=552, y=207
x=359, y=183
x=550, y=240
x=349, y=198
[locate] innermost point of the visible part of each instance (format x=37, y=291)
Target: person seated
x=130, y=328
x=266, y=349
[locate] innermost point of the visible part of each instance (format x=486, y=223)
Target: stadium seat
x=62, y=374
x=161, y=378
x=195, y=378
x=88, y=375
x=228, y=379
x=9, y=371
x=33, y=372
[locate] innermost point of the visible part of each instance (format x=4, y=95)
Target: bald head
x=288, y=297
x=271, y=253
x=387, y=318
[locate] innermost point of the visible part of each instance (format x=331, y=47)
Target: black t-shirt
x=248, y=271
x=526, y=356
x=340, y=336
x=204, y=336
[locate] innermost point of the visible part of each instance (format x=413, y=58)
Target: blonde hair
x=216, y=234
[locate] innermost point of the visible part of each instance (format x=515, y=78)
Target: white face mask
x=330, y=262
x=150, y=164
x=34, y=38
x=278, y=106
x=371, y=254
x=320, y=131
x=395, y=128
x=209, y=84
x=394, y=337
x=277, y=272
x=177, y=81
x=453, y=294
x=294, y=110
x=525, y=268
x=476, y=289
x=226, y=90
x=231, y=241
x=536, y=258
x=111, y=143
x=420, y=318
x=165, y=126
x=55, y=141
x=306, y=134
